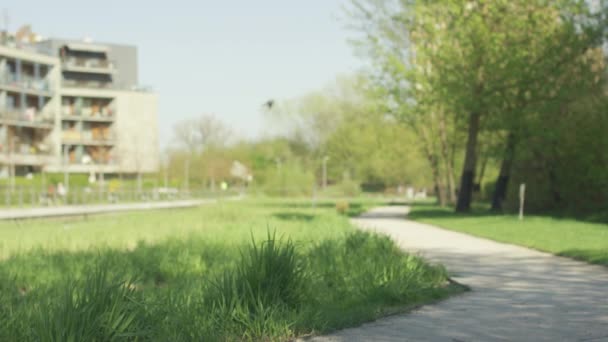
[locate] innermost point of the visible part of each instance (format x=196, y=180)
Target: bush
x=342, y=207
x=488, y=190
x=350, y=188
x=289, y=180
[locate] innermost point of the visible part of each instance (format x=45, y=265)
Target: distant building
x=74, y=106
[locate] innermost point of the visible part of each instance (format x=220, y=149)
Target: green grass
x=253, y=270
x=566, y=237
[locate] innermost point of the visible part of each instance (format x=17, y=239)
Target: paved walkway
x=77, y=210
x=517, y=294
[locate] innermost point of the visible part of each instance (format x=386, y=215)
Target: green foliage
x=571, y=152
x=287, y=180
x=342, y=207
x=349, y=188
x=481, y=72
x=375, y=149
x=345, y=122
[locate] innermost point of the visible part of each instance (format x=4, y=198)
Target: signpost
x=522, y=197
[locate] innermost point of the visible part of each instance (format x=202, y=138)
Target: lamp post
x=325, y=159
x=166, y=177
x=66, y=174
x=187, y=174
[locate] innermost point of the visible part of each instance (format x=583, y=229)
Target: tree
x=346, y=122
x=472, y=60
x=196, y=135
x=198, y=143
x=404, y=80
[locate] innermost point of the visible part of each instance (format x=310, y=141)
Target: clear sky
x=225, y=57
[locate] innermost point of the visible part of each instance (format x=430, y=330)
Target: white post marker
x=522, y=197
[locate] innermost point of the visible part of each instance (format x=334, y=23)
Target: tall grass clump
x=97, y=308
x=260, y=295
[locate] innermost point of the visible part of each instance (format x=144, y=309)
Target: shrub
x=342, y=207
x=289, y=180
x=350, y=188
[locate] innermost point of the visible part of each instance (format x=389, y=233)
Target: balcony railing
x=87, y=160
x=88, y=113
x=32, y=149
x=88, y=84
x=88, y=137
x=109, y=161
x=88, y=65
x=26, y=82
x=70, y=83
x=27, y=117
x=26, y=154
x=26, y=159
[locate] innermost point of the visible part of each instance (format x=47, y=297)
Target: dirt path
x=517, y=294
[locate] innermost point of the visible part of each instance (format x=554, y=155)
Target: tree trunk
x=433, y=160
x=445, y=153
x=439, y=186
x=482, y=169
x=465, y=195
x=484, y=155
x=502, y=182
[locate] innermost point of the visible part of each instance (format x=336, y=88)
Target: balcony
x=88, y=84
x=88, y=65
x=27, y=118
x=109, y=167
x=106, y=85
x=89, y=159
x=92, y=114
x=99, y=138
x=26, y=154
x=26, y=83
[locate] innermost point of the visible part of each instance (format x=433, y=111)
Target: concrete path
x=78, y=210
x=517, y=294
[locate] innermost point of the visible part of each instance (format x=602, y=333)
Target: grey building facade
x=73, y=106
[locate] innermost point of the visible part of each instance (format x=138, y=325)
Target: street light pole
x=11, y=168
x=66, y=174
x=187, y=174
x=325, y=159
x=166, y=180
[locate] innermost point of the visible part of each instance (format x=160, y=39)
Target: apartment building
x=73, y=106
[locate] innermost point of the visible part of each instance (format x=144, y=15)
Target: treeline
x=343, y=126
x=497, y=93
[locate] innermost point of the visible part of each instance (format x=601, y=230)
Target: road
x=78, y=210
x=517, y=294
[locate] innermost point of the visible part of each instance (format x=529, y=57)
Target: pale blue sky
x=224, y=57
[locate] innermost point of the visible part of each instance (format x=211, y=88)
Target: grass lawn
x=250, y=270
x=576, y=239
